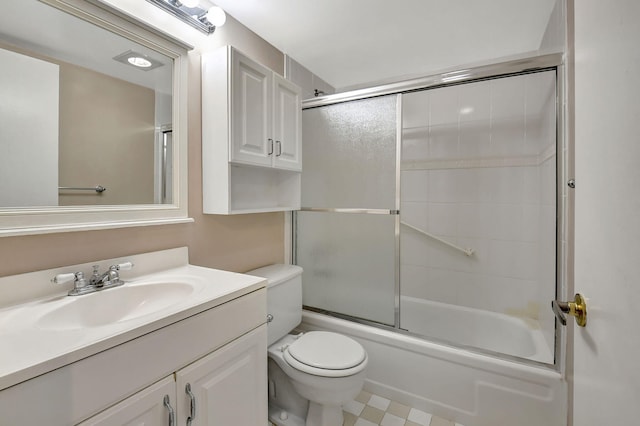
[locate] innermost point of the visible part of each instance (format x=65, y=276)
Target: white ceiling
x=45, y=30
x=351, y=42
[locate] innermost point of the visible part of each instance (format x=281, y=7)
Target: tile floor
x=373, y=410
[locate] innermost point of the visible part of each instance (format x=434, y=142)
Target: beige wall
x=236, y=243
x=107, y=129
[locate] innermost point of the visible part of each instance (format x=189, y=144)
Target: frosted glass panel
x=478, y=170
x=349, y=263
x=349, y=154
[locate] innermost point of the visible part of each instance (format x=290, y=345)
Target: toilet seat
x=326, y=354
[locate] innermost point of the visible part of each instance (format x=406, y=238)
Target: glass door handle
x=577, y=309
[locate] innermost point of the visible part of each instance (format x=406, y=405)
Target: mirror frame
x=29, y=221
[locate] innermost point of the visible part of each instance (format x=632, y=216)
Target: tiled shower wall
x=479, y=170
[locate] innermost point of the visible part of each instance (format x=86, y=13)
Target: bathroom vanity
x=202, y=356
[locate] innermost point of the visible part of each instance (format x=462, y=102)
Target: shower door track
x=450, y=78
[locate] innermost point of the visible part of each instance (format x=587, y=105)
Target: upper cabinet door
x=251, y=141
x=287, y=119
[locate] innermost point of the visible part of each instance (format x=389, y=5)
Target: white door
x=287, y=124
x=607, y=211
x=228, y=387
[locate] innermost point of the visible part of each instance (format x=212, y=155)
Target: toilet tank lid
x=277, y=273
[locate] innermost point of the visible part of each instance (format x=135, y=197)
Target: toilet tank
x=284, y=298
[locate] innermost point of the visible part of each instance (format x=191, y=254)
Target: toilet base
x=276, y=415
x=324, y=415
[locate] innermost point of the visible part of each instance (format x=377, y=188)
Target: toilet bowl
x=324, y=369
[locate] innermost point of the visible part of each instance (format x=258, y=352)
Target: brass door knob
x=577, y=309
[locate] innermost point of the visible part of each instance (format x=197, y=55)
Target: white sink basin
x=114, y=305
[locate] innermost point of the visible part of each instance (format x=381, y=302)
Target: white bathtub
x=470, y=388
x=475, y=328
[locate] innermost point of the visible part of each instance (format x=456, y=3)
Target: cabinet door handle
x=192, y=397
x=270, y=146
x=172, y=413
x=279, y=145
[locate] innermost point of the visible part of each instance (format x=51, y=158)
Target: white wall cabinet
x=251, y=136
x=227, y=387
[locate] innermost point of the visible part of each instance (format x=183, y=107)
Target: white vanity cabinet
x=251, y=136
x=229, y=386
x=149, y=407
x=226, y=387
x=220, y=352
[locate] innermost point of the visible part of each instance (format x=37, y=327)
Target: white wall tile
x=443, y=141
x=415, y=213
x=507, y=99
x=443, y=219
x=443, y=106
x=474, y=220
x=414, y=185
x=442, y=186
x=415, y=145
x=413, y=248
x=475, y=102
x=474, y=139
x=468, y=185
x=415, y=109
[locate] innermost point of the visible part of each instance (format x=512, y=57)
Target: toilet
x=312, y=374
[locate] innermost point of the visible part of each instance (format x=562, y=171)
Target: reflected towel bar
x=467, y=251
x=98, y=188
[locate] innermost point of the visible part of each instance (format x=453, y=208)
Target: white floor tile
x=420, y=417
x=391, y=420
x=379, y=402
x=353, y=407
x=363, y=422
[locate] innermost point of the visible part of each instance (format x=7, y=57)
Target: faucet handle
x=63, y=278
x=125, y=266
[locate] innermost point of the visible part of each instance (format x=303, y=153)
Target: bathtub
x=470, y=388
x=475, y=328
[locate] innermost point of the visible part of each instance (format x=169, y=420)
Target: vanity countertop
x=31, y=345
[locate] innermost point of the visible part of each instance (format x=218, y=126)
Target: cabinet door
x=287, y=119
x=145, y=408
x=229, y=386
x=251, y=141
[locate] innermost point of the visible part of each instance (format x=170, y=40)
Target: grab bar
x=467, y=251
x=98, y=188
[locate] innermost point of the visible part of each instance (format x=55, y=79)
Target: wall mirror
x=92, y=119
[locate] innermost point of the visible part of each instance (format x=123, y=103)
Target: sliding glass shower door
x=435, y=211
x=346, y=231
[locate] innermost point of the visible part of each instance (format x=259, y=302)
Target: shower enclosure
x=431, y=209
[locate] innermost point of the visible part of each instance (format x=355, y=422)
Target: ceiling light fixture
x=191, y=12
x=138, y=60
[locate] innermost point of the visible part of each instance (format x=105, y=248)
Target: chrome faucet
x=97, y=282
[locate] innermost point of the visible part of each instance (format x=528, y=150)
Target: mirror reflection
x=80, y=108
